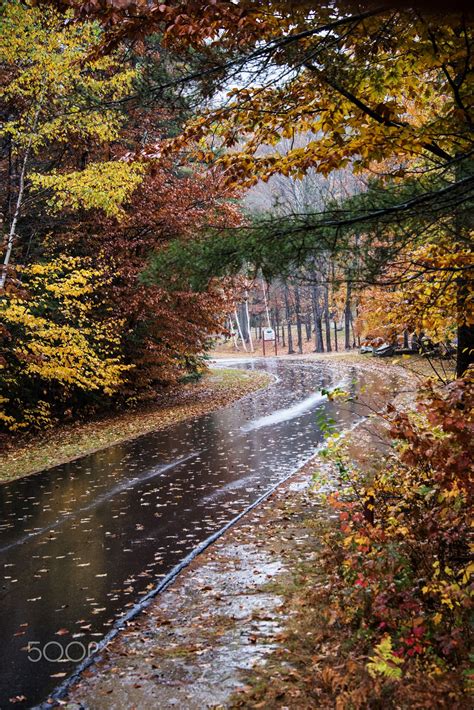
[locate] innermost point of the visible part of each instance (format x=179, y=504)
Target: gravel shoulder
x=199, y=640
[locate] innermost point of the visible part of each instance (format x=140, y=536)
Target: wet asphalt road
x=81, y=543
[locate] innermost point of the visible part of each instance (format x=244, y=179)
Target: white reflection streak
x=283, y=415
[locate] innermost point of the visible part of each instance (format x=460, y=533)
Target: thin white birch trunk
x=16, y=214
x=240, y=329
x=248, y=322
x=266, y=305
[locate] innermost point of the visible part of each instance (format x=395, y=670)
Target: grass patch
x=216, y=389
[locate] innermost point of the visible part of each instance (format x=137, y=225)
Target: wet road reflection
x=80, y=543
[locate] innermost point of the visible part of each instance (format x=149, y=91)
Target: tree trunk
x=247, y=314
x=464, y=283
x=240, y=329
x=8, y=191
x=299, y=329
x=318, y=328
x=347, y=317
x=19, y=201
x=307, y=325
x=335, y=336
x=277, y=323
x=288, y=322
x=465, y=332
x=354, y=344
x=243, y=321
x=266, y=304
x=327, y=320
x=234, y=336
x=357, y=310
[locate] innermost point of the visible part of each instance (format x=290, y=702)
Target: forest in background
x=131, y=236
x=131, y=132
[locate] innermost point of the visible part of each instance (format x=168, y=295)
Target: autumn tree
x=60, y=343
x=80, y=329
x=381, y=90
x=54, y=99
x=165, y=329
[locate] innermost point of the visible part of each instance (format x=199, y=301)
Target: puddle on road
x=80, y=543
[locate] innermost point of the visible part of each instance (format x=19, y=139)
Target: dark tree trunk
x=288, y=322
x=416, y=342
x=465, y=350
x=318, y=328
x=307, y=325
x=243, y=321
x=354, y=344
x=8, y=192
x=465, y=332
x=327, y=320
x=347, y=317
x=299, y=329
x=83, y=160
x=335, y=336
x=357, y=310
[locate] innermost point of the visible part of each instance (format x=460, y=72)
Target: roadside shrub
x=399, y=558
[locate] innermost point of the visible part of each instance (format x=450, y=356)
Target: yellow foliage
x=56, y=79
x=362, y=101
x=103, y=186
x=384, y=662
x=426, y=299
x=57, y=335
x=63, y=88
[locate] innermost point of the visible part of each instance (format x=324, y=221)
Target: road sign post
x=269, y=336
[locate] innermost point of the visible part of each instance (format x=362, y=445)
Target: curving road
x=82, y=543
